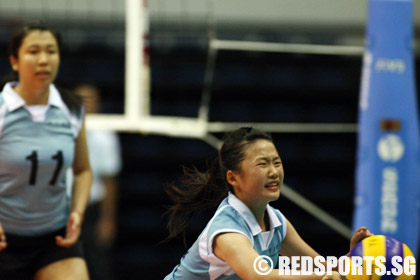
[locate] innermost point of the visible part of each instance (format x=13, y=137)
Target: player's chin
x=272, y=193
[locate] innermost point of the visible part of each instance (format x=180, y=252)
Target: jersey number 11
x=33, y=158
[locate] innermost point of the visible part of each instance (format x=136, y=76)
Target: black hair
x=72, y=100
x=204, y=190
x=23, y=30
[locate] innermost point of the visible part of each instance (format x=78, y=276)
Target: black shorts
x=25, y=255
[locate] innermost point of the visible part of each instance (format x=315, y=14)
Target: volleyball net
x=137, y=116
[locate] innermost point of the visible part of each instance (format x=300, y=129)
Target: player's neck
x=33, y=95
x=259, y=214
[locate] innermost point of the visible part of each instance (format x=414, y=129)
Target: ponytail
x=201, y=190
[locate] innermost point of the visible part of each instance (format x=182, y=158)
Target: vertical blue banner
x=388, y=156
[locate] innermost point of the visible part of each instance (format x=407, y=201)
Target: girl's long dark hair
x=204, y=190
x=72, y=101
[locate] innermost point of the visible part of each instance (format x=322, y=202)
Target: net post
x=135, y=102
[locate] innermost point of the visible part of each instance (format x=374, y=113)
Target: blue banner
x=388, y=157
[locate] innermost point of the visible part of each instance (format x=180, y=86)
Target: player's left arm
x=294, y=245
x=82, y=174
x=81, y=190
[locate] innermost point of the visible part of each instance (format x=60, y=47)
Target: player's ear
x=232, y=178
x=14, y=63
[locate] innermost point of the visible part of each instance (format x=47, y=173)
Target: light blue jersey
x=232, y=216
x=36, y=147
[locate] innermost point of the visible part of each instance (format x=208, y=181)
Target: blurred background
x=247, y=86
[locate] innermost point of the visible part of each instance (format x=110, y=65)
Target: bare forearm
x=81, y=191
x=275, y=275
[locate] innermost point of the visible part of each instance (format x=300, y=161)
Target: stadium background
x=247, y=87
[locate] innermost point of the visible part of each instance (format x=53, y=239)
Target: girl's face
x=38, y=59
x=261, y=175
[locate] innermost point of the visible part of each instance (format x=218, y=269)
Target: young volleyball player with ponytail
x=246, y=176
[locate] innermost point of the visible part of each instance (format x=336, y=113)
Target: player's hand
x=3, y=243
x=360, y=234
x=73, y=230
x=334, y=276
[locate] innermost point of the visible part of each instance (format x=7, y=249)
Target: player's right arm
x=236, y=250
